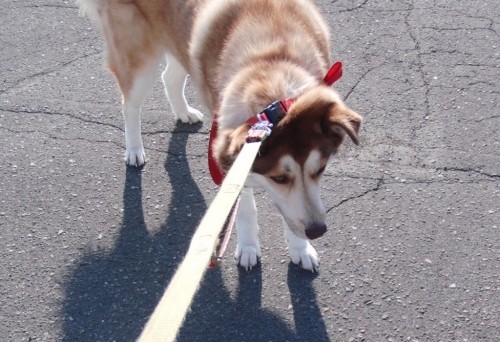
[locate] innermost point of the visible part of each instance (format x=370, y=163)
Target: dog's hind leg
x=248, y=247
x=301, y=251
x=133, y=58
x=132, y=101
x=174, y=78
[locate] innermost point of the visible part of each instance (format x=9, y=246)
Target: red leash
x=224, y=236
x=215, y=171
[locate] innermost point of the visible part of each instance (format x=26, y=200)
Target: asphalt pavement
x=88, y=245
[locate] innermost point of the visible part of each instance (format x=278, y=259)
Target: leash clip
x=266, y=119
x=260, y=130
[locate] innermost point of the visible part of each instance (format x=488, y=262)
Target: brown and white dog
x=242, y=55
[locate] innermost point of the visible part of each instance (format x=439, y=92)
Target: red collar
x=276, y=110
x=272, y=113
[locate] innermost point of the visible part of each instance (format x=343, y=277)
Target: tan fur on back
x=241, y=54
x=228, y=36
x=138, y=31
x=251, y=39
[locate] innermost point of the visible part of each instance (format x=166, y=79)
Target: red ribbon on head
x=332, y=76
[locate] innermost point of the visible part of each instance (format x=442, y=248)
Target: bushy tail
x=91, y=8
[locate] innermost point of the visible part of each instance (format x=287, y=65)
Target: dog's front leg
x=301, y=251
x=248, y=247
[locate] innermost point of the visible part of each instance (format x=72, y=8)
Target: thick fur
x=242, y=55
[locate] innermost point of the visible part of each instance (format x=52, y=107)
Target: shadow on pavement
x=215, y=316
x=309, y=324
x=110, y=295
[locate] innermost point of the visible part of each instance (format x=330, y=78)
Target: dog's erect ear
x=342, y=120
x=228, y=145
x=323, y=104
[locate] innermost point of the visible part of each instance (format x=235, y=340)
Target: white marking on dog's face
x=295, y=190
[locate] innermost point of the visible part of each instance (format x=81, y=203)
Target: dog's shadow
x=110, y=295
x=215, y=316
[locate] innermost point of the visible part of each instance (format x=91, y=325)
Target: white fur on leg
x=134, y=152
x=301, y=251
x=132, y=102
x=248, y=247
x=174, y=78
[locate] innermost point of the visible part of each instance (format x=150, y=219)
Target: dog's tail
x=95, y=9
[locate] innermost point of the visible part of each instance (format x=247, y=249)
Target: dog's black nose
x=315, y=230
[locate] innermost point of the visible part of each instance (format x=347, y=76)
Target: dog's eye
x=280, y=179
x=320, y=171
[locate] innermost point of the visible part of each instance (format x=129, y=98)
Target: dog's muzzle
x=315, y=230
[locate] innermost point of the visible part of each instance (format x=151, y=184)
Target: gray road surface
x=88, y=245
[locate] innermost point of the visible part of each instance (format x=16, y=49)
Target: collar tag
x=274, y=112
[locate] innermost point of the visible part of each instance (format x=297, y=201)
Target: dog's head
x=292, y=160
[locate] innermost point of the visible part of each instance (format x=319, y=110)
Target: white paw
x=306, y=257
x=247, y=256
x=135, y=156
x=191, y=116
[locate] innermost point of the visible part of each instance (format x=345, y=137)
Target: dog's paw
x=247, y=256
x=135, y=156
x=306, y=257
x=190, y=116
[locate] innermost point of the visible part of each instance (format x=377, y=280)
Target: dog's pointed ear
x=228, y=145
x=342, y=120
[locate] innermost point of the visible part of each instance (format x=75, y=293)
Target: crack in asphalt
x=99, y=123
x=469, y=170
x=49, y=5
x=479, y=65
x=361, y=78
x=377, y=187
x=144, y=133
x=381, y=182
x=176, y=132
x=487, y=118
x=490, y=21
x=121, y=146
x=358, y=6
x=17, y=83
x=419, y=64
x=54, y=137
x=423, y=166
x=22, y=111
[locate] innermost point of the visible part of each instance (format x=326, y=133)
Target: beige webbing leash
x=169, y=315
